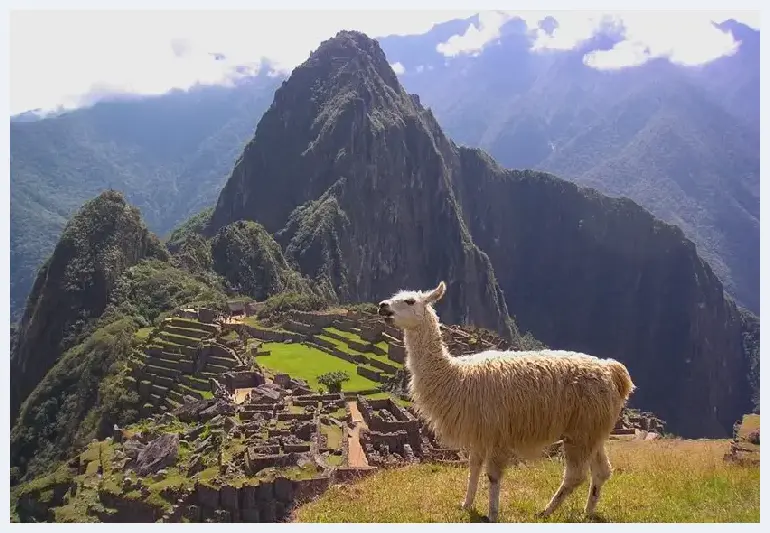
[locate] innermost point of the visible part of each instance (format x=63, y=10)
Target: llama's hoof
x=543, y=514
x=485, y=519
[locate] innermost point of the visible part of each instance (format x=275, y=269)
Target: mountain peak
x=348, y=62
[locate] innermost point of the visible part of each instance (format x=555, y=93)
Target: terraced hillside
x=233, y=429
x=180, y=359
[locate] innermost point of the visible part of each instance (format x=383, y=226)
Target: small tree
x=333, y=380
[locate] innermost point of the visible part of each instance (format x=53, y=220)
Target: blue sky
x=152, y=52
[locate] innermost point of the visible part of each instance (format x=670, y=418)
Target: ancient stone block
x=207, y=316
x=265, y=491
x=207, y=496
x=250, y=515
x=267, y=511
x=283, y=489
x=248, y=497
x=228, y=497
x=160, y=453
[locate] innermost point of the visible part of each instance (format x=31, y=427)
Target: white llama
x=499, y=404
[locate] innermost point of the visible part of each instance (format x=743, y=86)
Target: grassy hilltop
x=655, y=481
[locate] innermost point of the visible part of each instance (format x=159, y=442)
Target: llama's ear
x=437, y=293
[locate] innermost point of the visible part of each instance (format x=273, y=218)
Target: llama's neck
x=426, y=354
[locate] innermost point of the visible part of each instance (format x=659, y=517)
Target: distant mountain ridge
x=169, y=154
x=681, y=141
x=365, y=193
x=550, y=112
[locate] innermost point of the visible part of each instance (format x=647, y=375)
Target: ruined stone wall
x=268, y=501
x=243, y=380
x=270, y=335
x=369, y=374
x=396, y=353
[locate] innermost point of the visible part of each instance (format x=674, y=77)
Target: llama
x=497, y=405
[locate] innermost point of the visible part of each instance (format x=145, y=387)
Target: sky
x=91, y=53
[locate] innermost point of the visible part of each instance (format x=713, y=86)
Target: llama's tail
x=622, y=379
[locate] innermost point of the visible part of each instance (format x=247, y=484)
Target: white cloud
x=648, y=37
x=475, y=37
x=62, y=58
x=398, y=68
x=685, y=38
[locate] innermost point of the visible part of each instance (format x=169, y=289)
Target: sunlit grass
x=658, y=481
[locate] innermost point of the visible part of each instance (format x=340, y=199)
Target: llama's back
x=526, y=400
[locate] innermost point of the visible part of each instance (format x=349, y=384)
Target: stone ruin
x=642, y=425
x=744, y=447
x=395, y=436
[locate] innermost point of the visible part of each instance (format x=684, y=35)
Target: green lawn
x=343, y=347
x=143, y=333
x=345, y=334
x=333, y=435
x=303, y=362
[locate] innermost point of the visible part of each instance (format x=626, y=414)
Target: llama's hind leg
x=601, y=470
x=496, y=464
x=475, y=461
x=576, y=459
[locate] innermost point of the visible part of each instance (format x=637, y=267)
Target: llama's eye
x=410, y=301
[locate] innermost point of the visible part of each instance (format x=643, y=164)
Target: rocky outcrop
x=160, y=453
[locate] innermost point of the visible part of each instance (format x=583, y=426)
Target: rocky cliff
x=102, y=240
x=344, y=169
x=360, y=186
x=601, y=275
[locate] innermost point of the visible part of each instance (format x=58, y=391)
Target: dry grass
x=658, y=481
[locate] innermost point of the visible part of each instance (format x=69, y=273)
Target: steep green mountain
x=248, y=257
x=359, y=184
x=344, y=169
x=682, y=142
x=169, y=155
x=73, y=288
x=85, y=391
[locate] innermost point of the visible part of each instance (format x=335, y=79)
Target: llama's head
x=408, y=309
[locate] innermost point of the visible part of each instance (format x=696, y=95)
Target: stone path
x=240, y=394
x=356, y=455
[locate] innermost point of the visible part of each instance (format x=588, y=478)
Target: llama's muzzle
x=385, y=310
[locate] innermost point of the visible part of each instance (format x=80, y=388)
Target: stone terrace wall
x=269, y=501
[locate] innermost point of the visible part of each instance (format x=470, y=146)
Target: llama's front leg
x=475, y=462
x=495, y=467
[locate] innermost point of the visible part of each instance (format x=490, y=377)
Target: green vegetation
x=195, y=225
x=72, y=290
x=286, y=301
x=142, y=334
x=303, y=362
x=654, y=481
x=169, y=154
x=750, y=336
x=253, y=263
x=83, y=395
x=333, y=436
x=333, y=380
